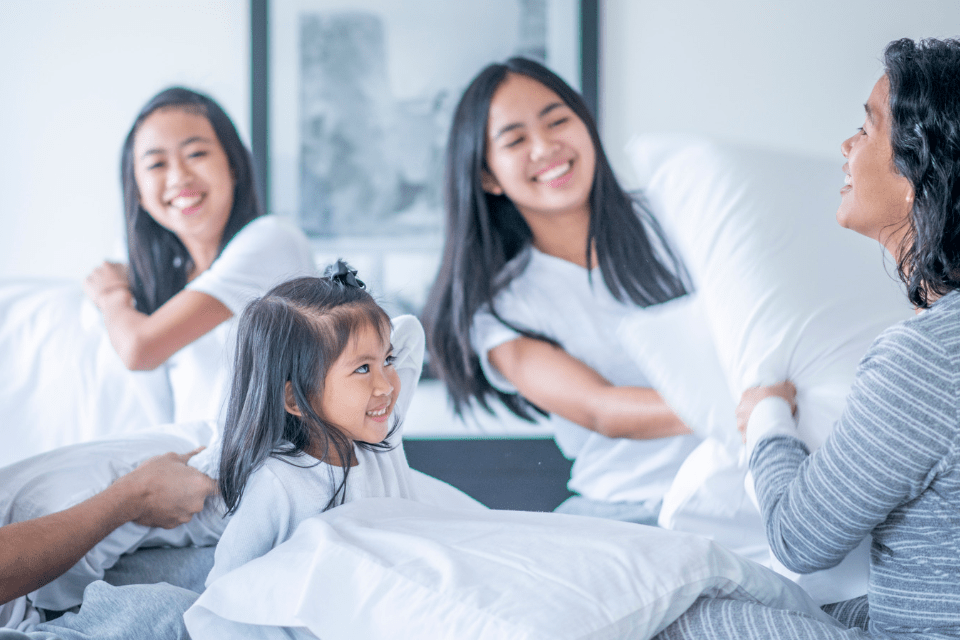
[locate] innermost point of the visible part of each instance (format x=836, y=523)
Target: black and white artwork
x=362, y=95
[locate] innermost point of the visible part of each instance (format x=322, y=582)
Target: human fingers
x=185, y=457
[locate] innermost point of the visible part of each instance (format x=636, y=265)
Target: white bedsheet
x=393, y=568
x=61, y=382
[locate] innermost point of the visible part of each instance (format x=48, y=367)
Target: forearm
x=632, y=412
x=793, y=504
x=35, y=552
x=127, y=329
x=144, y=341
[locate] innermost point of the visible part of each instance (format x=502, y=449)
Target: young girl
x=315, y=408
x=545, y=254
x=199, y=248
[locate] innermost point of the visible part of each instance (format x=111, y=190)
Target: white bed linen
x=393, y=568
x=61, y=381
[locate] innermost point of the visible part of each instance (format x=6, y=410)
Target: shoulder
x=933, y=335
x=267, y=251
x=917, y=361
x=269, y=231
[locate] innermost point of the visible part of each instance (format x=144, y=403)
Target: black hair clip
x=341, y=273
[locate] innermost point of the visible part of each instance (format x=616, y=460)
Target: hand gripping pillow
x=786, y=292
x=59, y=479
x=391, y=568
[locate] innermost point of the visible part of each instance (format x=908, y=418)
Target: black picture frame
x=378, y=260
x=260, y=79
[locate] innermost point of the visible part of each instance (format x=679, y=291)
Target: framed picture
x=353, y=100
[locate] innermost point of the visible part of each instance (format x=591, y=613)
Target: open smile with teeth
x=555, y=172
x=379, y=412
x=187, y=202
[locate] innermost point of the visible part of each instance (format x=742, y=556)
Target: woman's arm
x=557, y=382
x=898, y=424
x=162, y=492
x=143, y=341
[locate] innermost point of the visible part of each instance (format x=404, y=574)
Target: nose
x=383, y=386
x=178, y=173
x=541, y=145
x=846, y=145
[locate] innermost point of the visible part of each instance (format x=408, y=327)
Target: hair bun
x=341, y=273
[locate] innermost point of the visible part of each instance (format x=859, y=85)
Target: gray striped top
x=890, y=468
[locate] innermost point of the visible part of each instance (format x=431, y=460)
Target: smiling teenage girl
x=891, y=466
x=198, y=248
x=545, y=254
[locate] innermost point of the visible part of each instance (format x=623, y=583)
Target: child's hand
x=750, y=398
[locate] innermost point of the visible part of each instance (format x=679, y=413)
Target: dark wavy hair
x=158, y=263
x=925, y=133
x=292, y=334
x=485, y=231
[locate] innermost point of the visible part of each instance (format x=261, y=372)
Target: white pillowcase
x=786, y=293
x=53, y=481
x=393, y=568
x=61, y=381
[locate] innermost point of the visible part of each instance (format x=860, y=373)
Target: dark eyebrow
x=186, y=142
x=516, y=125
x=866, y=107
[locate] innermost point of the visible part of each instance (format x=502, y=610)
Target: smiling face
x=184, y=179
x=876, y=200
x=538, y=152
x=361, y=387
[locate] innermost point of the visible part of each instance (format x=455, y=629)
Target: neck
x=202, y=256
x=563, y=236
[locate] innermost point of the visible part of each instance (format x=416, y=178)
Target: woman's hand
x=750, y=398
x=106, y=281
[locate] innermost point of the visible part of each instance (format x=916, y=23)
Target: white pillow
x=672, y=345
x=786, y=294
x=392, y=568
x=53, y=481
x=61, y=381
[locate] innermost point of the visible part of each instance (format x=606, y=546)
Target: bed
x=780, y=292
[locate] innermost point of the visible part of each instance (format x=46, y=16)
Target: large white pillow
x=393, y=568
x=785, y=292
x=61, y=381
x=53, y=481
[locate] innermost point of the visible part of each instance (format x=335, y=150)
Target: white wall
x=781, y=74
x=790, y=75
x=74, y=75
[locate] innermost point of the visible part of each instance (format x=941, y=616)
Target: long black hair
x=292, y=334
x=925, y=134
x=485, y=231
x=158, y=263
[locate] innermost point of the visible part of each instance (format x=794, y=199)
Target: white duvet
x=393, y=568
x=61, y=381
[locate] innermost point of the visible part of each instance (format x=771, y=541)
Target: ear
x=489, y=183
x=289, y=402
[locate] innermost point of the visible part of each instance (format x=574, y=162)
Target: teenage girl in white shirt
x=545, y=254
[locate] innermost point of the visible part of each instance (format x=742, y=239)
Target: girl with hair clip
x=891, y=466
x=198, y=248
x=544, y=255
x=313, y=421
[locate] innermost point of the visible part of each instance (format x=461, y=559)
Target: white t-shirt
x=267, y=251
x=555, y=298
x=279, y=496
